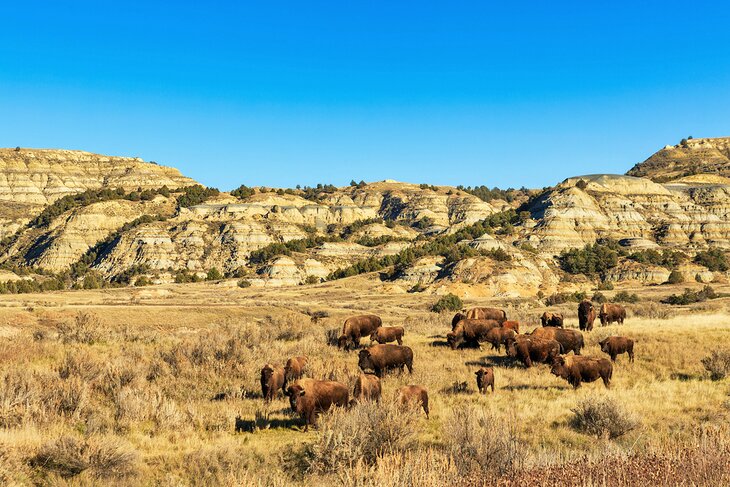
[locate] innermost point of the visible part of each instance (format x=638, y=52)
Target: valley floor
x=117, y=386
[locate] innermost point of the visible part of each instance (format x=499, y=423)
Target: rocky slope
x=689, y=157
x=668, y=207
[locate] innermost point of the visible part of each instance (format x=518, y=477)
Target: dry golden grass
x=128, y=386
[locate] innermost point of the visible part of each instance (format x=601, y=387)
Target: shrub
x=142, y=281
x=244, y=283
x=214, y=275
x=654, y=311
x=714, y=259
x=626, y=297
x=312, y=280
x=581, y=184
x=364, y=433
x=690, y=297
x=243, y=192
x=450, y=302
x=602, y=417
x=560, y=298
x=675, y=277
x=480, y=441
x=666, y=258
x=590, y=260
x=717, y=364
x=605, y=286
x=599, y=297
x=86, y=328
x=104, y=458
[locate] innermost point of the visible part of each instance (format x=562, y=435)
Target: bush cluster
x=666, y=258
x=450, y=302
x=485, y=193
x=714, y=259
x=717, y=364
x=602, y=417
x=626, y=297
x=560, y=298
x=591, y=260
x=690, y=297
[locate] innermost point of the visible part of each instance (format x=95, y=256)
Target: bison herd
x=547, y=344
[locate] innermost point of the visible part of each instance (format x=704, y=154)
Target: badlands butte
x=87, y=220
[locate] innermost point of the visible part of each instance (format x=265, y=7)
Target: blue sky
x=502, y=94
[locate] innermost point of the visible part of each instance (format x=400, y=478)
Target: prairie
x=160, y=387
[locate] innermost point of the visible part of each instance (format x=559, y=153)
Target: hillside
x=688, y=158
x=438, y=239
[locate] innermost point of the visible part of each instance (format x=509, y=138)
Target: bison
x=380, y=358
x=367, y=388
x=470, y=331
x=414, y=395
x=309, y=397
x=528, y=349
x=586, y=315
x=294, y=368
x=617, y=345
x=495, y=314
x=499, y=336
x=551, y=319
x=457, y=318
x=612, y=312
x=568, y=339
x=512, y=325
x=387, y=334
x=485, y=379
x=357, y=327
x=272, y=379
x=578, y=369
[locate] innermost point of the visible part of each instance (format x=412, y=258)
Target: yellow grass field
x=117, y=387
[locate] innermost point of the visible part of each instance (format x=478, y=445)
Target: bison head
x=604, y=345
x=511, y=346
x=365, y=360
x=454, y=340
x=558, y=367
x=267, y=373
x=343, y=342
x=295, y=392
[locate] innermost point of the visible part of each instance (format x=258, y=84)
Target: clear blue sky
x=505, y=94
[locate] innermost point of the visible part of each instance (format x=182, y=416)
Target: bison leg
x=606, y=380
x=613, y=357
x=400, y=341
x=631, y=356
x=409, y=364
x=492, y=385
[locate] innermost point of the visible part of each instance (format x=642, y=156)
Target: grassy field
x=143, y=386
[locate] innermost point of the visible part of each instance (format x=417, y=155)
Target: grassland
x=143, y=387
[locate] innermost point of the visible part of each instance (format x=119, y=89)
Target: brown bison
x=294, y=368
x=309, y=397
x=380, y=358
x=356, y=327
x=495, y=314
x=568, y=339
x=414, y=395
x=551, y=319
x=617, y=345
x=485, y=379
x=499, y=336
x=387, y=334
x=512, y=325
x=367, y=388
x=529, y=349
x=272, y=379
x=578, y=369
x=470, y=331
x=457, y=318
x=586, y=315
x=612, y=312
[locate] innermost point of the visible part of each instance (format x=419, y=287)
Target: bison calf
x=499, y=336
x=387, y=334
x=272, y=379
x=470, y=331
x=614, y=346
x=367, y=388
x=309, y=397
x=414, y=395
x=512, y=325
x=294, y=368
x=577, y=369
x=485, y=378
